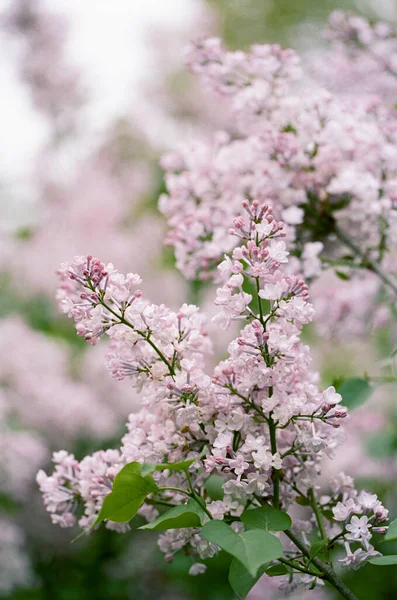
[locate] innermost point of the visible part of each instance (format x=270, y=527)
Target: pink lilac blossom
x=40, y=34
x=22, y=452
x=94, y=210
x=91, y=479
x=348, y=308
x=260, y=422
x=46, y=397
x=362, y=57
x=324, y=162
x=268, y=588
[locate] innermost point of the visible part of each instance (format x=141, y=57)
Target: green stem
x=335, y=538
x=316, y=510
x=271, y=423
x=189, y=480
x=175, y=489
x=191, y=495
x=327, y=570
x=276, y=472
x=298, y=567
x=258, y=287
x=142, y=334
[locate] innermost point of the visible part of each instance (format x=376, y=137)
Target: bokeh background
x=93, y=92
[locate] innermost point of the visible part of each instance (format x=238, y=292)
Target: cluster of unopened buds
x=259, y=427
x=87, y=303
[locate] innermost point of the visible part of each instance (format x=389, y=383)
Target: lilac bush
x=259, y=427
x=229, y=457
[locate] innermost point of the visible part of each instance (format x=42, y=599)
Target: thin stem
x=189, y=480
x=175, y=489
x=271, y=423
x=319, y=518
x=160, y=502
x=335, y=538
x=371, y=265
x=145, y=337
x=328, y=572
x=294, y=565
x=273, y=446
x=191, y=495
x=196, y=497
x=258, y=287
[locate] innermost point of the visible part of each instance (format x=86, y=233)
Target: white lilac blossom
x=259, y=423
x=325, y=162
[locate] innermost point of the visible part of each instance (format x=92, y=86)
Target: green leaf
x=266, y=517
x=391, y=533
x=355, y=392
x=124, y=476
x=147, y=469
x=213, y=485
x=318, y=547
x=302, y=501
x=128, y=493
x=240, y=580
x=183, y=465
x=384, y=561
x=381, y=445
x=178, y=517
x=328, y=514
x=252, y=548
x=277, y=570
x=342, y=275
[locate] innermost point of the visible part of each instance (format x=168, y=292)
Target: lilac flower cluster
x=357, y=530
x=363, y=55
x=324, y=161
x=260, y=424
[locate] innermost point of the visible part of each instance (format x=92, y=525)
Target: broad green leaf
x=124, y=476
x=266, y=517
x=391, y=533
x=384, y=561
x=128, y=493
x=252, y=548
x=354, y=392
x=318, y=547
x=213, y=485
x=240, y=579
x=277, y=570
x=178, y=517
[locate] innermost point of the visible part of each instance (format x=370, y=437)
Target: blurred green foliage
x=245, y=22
x=112, y=566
